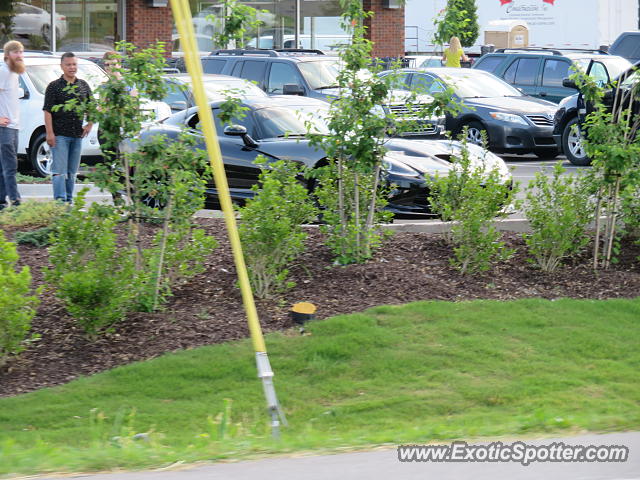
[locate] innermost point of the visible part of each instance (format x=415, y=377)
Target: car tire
x=572, y=144
x=474, y=132
x=546, y=153
x=40, y=156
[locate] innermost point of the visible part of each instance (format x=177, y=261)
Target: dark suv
x=309, y=73
x=572, y=110
x=539, y=72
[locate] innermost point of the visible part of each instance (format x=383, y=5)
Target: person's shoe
x=16, y=203
x=3, y=206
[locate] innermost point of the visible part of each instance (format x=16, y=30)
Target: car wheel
x=474, y=132
x=40, y=156
x=546, y=153
x=572, y=144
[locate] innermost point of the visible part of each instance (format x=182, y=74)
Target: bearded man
x=12, y=67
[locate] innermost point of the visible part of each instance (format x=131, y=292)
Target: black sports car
x=275, y=130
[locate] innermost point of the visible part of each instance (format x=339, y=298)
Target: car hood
x=446, y=151
x=525, y=105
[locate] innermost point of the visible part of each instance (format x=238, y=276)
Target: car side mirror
x=569, y=83
x=240, y=131
x=292, y=89
x=178, y=106
x=22, y=93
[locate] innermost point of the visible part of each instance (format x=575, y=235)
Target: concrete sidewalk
x=383, y=464
x=42, y=192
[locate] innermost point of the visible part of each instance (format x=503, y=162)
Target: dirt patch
x=208, y=309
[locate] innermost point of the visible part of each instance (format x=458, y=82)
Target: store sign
x=541, y=13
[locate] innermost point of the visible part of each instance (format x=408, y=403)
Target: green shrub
x=32, y=214
x=17, y=307
x=39, y=237
x=559, y=210
x=93, y=276
x=270, y=227
x=472, y=197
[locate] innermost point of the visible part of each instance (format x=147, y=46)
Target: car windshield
x=469, y=85
x=320, y=74
x=280, y=122
x=42, y=75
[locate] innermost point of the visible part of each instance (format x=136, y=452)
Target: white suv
x=42, y=69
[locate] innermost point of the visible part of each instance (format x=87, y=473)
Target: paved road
x=384, y=464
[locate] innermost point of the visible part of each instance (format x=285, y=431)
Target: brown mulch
x=208, y=309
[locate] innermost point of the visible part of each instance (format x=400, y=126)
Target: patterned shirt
x=66, y=124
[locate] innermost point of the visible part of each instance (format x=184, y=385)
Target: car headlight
x=508, y=117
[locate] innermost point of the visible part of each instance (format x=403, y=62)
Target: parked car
x=539, y=72
x=512, y=121
x=41, y=69
x=572, y=110
x=31, y=20
x=180, y=94
x=310, y=73
x=274, y=129
x=627, y=45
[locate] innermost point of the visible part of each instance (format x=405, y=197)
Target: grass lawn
x=423, y=372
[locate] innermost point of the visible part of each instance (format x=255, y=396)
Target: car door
x=598, y=71
x=239, y=159
x=522, y=73
x=554, y=70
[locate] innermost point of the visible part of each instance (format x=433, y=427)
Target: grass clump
x=32, y=214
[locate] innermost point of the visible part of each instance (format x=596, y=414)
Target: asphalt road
x=383, y=464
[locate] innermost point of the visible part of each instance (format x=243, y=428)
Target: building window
x=319, y=24
x=80, y=25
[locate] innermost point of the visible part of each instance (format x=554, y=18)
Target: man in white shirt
x=10, y=70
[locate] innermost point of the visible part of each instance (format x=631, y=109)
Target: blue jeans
x=8, y=165
x=64, y=166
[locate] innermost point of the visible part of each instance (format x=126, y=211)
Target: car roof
x=293, y=55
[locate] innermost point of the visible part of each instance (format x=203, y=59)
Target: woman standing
x=452, y=55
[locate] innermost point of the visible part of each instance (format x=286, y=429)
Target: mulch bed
x=208, y=309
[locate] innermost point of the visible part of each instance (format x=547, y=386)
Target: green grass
x=416, y=373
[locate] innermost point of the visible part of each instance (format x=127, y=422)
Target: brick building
x=90, y=26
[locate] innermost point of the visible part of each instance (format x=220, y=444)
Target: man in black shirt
x=64, y=129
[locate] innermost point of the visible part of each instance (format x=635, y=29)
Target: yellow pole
x=184, y=25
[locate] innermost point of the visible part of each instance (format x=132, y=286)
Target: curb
x=44, y=192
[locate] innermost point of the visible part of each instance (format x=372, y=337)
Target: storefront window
x=319, y=24
x=80, y=25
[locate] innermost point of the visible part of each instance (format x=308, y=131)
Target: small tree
x=459, y=19
x=613, y=144
x=270, y=227
x=162, y=181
